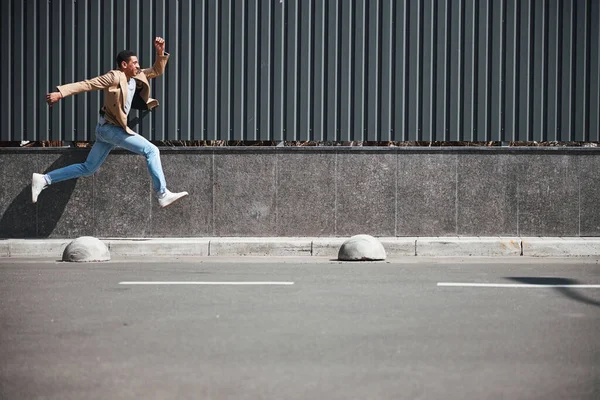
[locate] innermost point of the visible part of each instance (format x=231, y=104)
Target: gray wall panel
x=336, y=70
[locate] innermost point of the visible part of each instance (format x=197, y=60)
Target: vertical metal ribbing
x=120, y=20
x=553, y=65
x=320, y=46
x=373, y=71
x=399, y=92
x=18, y=75
x=225, y=86
x=291, y=72
x=68, y=38
x=482, y=92
x=331, y=82
x=580, y=69
x=244, y=70
x=6, y=25
x=146, y=56
x=530, y=71
x=539, y=95
x=455, y=69
x=500, y=96
x=346, y=68
x=414, y=69
x=56, y=76
x=132, y=41
x=470, y=72
x=265, y=16
x=171, y=81
x=212, y=75
x=305, y=104
x=185, y=95
x=198, y=72
x=566, y=94
x=279, y=67
x=594, y=59
x=523, y=41
x=160, y=86
x=82, y=51
x=358, y=92
x=441, y=71
x=429, y=71
x=386, y=83
x=315, y=69
x=43, y=83
x=387, y=52
x=257, y=73
x=510, y=115
x=496, y=70
x=31, y=72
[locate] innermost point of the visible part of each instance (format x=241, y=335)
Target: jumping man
x=124, y=88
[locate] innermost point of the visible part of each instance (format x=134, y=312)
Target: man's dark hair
x=124, y=55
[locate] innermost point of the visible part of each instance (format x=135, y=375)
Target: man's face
x=132, y=67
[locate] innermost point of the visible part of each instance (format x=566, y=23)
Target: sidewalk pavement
x=324, y=247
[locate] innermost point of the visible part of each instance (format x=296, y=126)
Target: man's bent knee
x=152, y=151
x=88, y=170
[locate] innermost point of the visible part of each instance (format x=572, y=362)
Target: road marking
x=204, y=283
x=515, y=285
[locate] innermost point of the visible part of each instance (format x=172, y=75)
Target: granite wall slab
x=366, y=193
x=426, y=194
x=316, y=192
x=548, y=195
x=306, y=183
x=193, y=215
x=123, y=196
x=65, y=209
x=18, y=216
x=486, y=196
x=244, y=197
x=589, y=195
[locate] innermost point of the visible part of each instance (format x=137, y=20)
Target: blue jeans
x=107, y=138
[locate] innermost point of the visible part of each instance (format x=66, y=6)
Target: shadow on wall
x=567, y=292
x=23, y=219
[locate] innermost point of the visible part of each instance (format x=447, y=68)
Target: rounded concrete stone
x=361, y=248
x=86, y=249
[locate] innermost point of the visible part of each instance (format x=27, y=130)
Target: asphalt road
x=313, y=329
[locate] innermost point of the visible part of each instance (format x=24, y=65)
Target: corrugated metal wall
x=332, y=70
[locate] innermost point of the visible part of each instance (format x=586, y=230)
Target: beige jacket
x=114, y=84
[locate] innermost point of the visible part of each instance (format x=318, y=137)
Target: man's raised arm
x=161, y=59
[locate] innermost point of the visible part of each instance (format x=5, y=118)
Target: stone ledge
x=158, y=247
x=468, y=246
x=260, y=247
x=560, y=247
x=320, y=247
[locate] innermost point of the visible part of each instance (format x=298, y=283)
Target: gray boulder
x=361, y=248
x=86, y=249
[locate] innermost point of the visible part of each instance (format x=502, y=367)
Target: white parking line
x=514, y=285
x=204, y=283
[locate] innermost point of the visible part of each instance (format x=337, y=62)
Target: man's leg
x=95, y=158
x=140, y=145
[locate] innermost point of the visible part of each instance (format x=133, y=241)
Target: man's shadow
x=22, y=219
x=565, y=291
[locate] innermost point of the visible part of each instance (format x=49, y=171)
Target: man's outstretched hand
x=53, y=97
x=159, y=44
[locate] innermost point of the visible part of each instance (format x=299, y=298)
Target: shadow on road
x=567, y=292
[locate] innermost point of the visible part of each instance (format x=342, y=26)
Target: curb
x=322, y=247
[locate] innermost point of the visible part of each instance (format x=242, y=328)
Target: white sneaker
x=169, y=198
x=38, y=183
